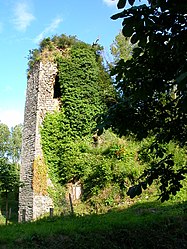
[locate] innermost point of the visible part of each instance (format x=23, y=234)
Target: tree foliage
x=4, y=140
x=15, y=143
x=9, y=176
x=10, y=142
x=121, y=48
x=10, y=149
x=153, y=85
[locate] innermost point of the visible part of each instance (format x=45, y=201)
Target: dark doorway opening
x=57, y=91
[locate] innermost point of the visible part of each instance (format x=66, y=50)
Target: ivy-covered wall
x=86, y=92
x=58, y=136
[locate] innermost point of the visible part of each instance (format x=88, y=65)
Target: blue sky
x=23, y=23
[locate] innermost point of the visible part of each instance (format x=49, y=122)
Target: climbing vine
x=86, y=91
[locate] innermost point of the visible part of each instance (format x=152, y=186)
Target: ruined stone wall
x=35, y=201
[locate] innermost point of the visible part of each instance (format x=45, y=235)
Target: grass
x=143, y=225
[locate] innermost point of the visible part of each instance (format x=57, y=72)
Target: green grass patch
x=143, y=225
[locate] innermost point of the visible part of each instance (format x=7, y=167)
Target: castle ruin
x=42, y=96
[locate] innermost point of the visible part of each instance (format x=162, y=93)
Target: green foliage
x=152, y=85
x=85, y=93
x=154, y=96
x=64, y=41
x=9, y=176
x=10, y=149
x=121, y=48
x=58, y=193
x=56, y=43
x=16, y=143
x=83, y=96
x=57, y=46
x=51, y=135
x=112, y=164
x=10, y=142
x=167, y=163
x=9, y=183
x=33, y=57
x=4, y=140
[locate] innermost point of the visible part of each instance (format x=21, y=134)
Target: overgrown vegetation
x=86, y=91
x=152, y=86
x=146, y=146
x=104, y=168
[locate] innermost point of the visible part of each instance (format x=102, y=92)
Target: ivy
x=86, y=91
x=69, y=150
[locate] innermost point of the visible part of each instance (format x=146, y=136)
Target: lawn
x=142, y=225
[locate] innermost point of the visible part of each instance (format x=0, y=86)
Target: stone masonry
x=39, y=100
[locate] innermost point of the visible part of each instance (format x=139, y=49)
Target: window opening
x=57, y=91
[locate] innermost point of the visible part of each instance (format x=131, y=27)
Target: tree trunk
x=6, y=207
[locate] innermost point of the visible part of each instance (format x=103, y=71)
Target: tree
x=9, y=180
x=4, y=140
x=153, y=86
x=15, y=143
x=10, y=148
x=121, y=48
x=10, y=142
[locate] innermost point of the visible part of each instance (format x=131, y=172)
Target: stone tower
x=41, y=97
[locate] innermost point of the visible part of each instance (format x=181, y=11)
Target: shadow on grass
x=146, y=225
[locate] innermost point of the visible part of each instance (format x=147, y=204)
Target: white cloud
x=23, y=16
x=11, y=117
x=49, y=29
x=110, y=2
